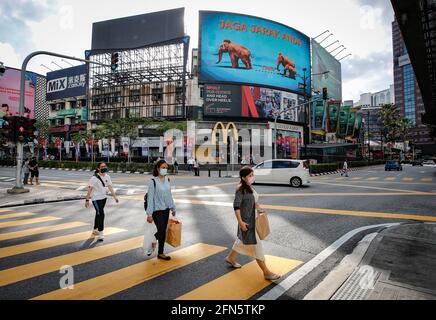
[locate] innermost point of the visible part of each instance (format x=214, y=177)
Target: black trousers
x=160, y=219
x=99, y=214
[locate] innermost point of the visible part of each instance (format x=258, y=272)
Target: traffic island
x=16, y=190
x=397, y=263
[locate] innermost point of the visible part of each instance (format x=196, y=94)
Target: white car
x=282, y=171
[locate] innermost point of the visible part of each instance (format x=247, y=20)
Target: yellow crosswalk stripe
x=390, y=179
x=38, y=268
x=241, y=284
x=408, y=179
x=373, y=178
x=9, y=224
x=35, y=231
x=51, y=242
x=16, y=215
x=117, y=281
x=426, y=179
x=5, y=210
x=317, y=210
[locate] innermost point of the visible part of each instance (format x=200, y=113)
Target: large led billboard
x=251, y=102
x=10, y=93
x=323, y=61
x=138, y=31
x=243, y=49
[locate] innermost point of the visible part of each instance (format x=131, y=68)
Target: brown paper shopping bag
x=174, y=233
x=262, y=226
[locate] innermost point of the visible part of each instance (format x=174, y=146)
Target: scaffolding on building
x=148, y=82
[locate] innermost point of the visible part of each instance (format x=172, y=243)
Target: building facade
x=407, y=93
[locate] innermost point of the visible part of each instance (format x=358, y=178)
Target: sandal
x=272, y=277
x=234, y=264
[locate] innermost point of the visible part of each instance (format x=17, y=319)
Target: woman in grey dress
x=247, y=208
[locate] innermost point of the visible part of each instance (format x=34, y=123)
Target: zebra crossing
x=120, y=189
x=381, y=179
x=116, y=280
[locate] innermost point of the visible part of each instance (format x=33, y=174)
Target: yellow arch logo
x=224, y=130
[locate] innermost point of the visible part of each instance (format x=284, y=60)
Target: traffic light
x=324, y=94
x=7, y=128
x=21, y=129
x=30, y=129
x=114, y=61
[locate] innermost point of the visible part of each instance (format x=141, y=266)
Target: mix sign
x=66, y=83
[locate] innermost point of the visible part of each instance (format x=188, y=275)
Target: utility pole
x=369, y=141
x=18, y=188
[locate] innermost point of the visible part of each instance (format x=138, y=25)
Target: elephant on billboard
x=288, y=64
x=236, y=52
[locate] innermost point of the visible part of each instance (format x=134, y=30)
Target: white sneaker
x=95, y=232
x=100, y=237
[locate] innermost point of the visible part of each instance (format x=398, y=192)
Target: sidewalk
x=399, y=263
x=38, y=194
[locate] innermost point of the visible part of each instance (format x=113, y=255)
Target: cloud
x=371, y=73
x=384, y=5
x=8, y=55
x=16, y=14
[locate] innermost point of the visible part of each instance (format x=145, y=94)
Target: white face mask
x=163, y=172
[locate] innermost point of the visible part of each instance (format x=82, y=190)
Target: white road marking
x=295, y=277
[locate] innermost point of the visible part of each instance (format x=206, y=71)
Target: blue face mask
x=163, y=172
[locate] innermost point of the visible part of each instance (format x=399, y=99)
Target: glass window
x=267, y=165
x=281, y=164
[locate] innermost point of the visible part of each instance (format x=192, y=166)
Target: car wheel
x=296, y=182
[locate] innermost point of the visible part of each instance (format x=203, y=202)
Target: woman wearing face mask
x=159, y=204
x=247, y=208
x=97, y=187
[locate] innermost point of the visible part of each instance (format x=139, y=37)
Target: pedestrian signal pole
x=18, y=188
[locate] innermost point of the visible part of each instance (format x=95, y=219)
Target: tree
x=404, y=126
x=43, y=128
x=389, y=117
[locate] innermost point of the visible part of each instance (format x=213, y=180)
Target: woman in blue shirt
x=159, y=204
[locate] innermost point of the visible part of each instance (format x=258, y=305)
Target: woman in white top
x=97, y=188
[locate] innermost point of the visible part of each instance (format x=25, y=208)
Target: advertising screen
x=66, y=83
x=10, y=93
x=138, y=31
x=343, y=121
x=323, y=61
x=318, y=109
x=332, y=115
x=251, y=102
x=242, y=49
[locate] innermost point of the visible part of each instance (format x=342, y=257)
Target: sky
x=65, y=26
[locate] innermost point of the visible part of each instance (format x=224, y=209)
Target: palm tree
x=389, y=117
x=404, y=126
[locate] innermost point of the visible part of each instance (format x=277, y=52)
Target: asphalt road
x=303, y=222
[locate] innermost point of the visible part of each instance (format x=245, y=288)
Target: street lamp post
x=18, y=188
x=369, y=141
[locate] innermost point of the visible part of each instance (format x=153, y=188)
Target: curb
x=42, y=200
x=328, y=287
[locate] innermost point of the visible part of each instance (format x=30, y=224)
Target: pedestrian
x=247, y=209
x=159, y=204
x=176, y=167
x=345, y=169
x=26, y=171
x=190, y=164
x=34, y=170
x=196, y=168
x=97, y=188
